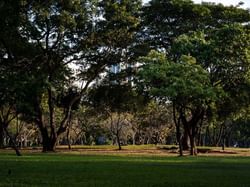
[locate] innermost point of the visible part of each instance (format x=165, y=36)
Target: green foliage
x=185, y=82
x=224, y=53
x=164, y=21
x=115, y=98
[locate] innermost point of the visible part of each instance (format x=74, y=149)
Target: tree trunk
x=218, y=136
x=207, y=137
x=13, y=143
x=178, y=129
x=1, y=137
x=185, y=139
x=223, y=144
x=193, y=150
x=68, y=139
x=134, y=138
x=223, y=139
x=199, y=139
x=49, y=145
x=192, y=137
x=118, y=141
x=178, y=135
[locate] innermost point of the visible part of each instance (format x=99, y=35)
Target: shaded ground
x=58, y=169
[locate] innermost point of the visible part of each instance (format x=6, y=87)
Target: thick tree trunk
x=49, y=145
x=49, y=132
x=48, y=142
x=191, y=127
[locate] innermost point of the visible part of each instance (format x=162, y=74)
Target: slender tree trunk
x=223, y=138
x=223, y=144
x=218, y=137
x=199, y=139
x=192, y=137
x=192, y=145
x=207, y=137
x=178, y=130
x=1, y=137
x=118, y=141
x=178, y=135
x=148, y=140
x=12, y=143
x=185, y=139
x=134, y=138
x=68, y=139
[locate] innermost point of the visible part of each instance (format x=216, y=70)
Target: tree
x=240, y=130
x=117, y=102
x=14, y=50
x=206, y=29
x=224, y=54
x=165, y=20
x=185, y=84
x=154, y=123
x=63, y=33
x=86, y=125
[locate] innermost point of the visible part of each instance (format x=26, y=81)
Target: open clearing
x=80, y=168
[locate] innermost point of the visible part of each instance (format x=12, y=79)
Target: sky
x=225, y=2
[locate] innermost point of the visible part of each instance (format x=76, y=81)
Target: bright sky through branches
x=225, y=2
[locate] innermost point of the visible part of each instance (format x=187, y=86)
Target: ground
x=105, y=166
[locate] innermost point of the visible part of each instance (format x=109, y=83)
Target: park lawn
x=123, y=170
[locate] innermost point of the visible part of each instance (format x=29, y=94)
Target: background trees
x=56, y=59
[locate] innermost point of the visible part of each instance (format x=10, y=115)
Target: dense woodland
x=76, y=72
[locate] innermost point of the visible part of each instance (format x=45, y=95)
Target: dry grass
x=139, y=150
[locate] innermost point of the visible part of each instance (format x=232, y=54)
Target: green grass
x=85, y=170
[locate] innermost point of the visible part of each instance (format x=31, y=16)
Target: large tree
x=201, y=31
x=185, y=84
x=207, y=74
x=66, y=34
x=224, y=53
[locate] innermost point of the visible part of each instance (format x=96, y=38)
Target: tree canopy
x=56, y=57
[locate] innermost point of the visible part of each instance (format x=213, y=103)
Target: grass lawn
x=85, y=170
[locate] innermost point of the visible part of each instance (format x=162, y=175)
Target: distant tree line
x=183, y=76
